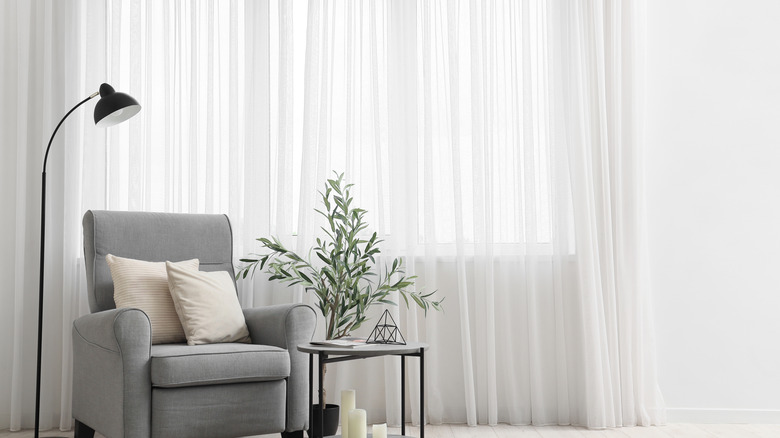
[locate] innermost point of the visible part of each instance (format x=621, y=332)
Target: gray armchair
x=123, y=386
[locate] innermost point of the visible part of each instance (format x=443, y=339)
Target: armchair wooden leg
x=296, y=434
x=83, y=431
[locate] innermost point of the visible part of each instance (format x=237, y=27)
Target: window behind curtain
x=190, y=60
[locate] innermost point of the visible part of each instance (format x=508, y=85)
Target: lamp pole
x=112, y=108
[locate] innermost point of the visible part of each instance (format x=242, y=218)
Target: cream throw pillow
x=144, y=285
x=207, y=305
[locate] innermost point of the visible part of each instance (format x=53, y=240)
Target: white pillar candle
x=357, y=423
x=380, y=430
x=347, y=404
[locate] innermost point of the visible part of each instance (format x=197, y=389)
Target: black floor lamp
x=111, y=109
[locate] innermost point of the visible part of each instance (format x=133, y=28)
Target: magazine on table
x=343, y=343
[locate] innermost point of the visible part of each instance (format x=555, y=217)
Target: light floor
x=677, y=430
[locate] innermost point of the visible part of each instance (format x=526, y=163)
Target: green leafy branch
x=344, y=278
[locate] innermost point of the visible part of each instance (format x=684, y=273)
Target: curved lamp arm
x=46, y=157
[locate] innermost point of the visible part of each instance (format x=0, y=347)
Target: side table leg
x=321, y=361
x=422, y=393
x=403, y=395
x=310, y=431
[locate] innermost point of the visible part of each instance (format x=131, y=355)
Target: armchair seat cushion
x=179, y=365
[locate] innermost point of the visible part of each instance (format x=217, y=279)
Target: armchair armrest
x=112, y=372
x=286, y=326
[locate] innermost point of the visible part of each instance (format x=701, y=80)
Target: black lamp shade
x=113, y=107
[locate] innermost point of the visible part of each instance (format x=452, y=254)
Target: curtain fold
x=496, y=145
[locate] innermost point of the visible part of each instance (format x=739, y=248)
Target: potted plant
x=341, y=269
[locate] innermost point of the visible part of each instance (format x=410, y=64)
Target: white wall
x=713, y=185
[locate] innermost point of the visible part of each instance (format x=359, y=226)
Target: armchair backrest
x=153, y=237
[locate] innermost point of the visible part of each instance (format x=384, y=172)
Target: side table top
x=368, y=350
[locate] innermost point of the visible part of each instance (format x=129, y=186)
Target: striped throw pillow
x=144, y=285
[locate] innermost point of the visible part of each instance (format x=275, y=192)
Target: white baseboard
x=723, y=416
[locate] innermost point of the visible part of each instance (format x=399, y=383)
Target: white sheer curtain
x=191, y=149
x=497, y=146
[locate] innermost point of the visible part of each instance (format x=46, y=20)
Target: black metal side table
x=327, y=354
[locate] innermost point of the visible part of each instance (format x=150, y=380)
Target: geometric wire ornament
x=386, y=332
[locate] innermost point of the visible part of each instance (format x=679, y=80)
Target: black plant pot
x=331, y=423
